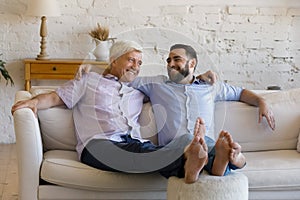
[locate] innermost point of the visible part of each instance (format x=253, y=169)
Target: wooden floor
x=8, y=172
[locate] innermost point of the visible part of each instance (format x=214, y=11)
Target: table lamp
x=43, y=8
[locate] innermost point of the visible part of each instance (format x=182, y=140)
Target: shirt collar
x=195, y=81
x=111, y=77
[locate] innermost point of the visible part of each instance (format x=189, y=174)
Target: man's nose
x=135, y=65
x=171, y=64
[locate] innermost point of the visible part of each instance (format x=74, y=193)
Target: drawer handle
x=54, y=68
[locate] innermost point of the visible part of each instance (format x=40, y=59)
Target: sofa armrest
x=29, y=150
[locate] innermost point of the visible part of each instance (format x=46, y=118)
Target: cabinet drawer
x=53, y=68
x=56, y=69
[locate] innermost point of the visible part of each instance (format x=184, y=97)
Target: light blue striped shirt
x=177, y=106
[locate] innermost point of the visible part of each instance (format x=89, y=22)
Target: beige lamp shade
x=43, y=8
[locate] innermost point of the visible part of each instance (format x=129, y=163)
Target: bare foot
x=195, y=154
x=223, y=151
x=236, y=157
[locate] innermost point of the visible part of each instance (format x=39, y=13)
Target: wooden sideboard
x=55, y=69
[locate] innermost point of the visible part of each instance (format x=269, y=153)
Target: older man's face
x=127, y=66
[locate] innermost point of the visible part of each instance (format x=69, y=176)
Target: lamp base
x=43, y=33
x=42, y=57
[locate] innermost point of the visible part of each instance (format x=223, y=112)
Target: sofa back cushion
x=241, y=121
x=57, y=128
x=58, y=132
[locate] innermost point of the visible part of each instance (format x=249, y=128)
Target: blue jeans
x=133, y=156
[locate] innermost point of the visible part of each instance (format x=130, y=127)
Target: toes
x=201, y=121
x=228, y=138
x=203, y=144
x=196, y=139
x=201, y=141
x=236, y=146
x=199, y=128
x=222, y=134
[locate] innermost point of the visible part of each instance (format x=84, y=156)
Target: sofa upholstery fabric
x=49, y=168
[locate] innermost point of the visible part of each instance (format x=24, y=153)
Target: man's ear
x=192, y=63
x=110, y=66
x=111, y=61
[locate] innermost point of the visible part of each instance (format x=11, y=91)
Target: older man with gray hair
x=106, y=112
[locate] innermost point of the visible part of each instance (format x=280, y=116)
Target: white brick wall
x=249, y=43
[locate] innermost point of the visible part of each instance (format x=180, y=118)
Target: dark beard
x=181, y=75
x=185, y=71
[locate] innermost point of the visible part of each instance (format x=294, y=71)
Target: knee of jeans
x=209, y=140
x=185, y=137
x=227, y=171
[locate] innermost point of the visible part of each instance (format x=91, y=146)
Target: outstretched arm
x=41, y=101
x=264, y=111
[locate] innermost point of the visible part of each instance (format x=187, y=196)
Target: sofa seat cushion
x=273, y=170
x=63, y=168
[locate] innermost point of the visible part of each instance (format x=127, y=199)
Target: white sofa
x=49, y=168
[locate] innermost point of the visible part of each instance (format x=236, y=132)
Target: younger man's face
x=178, y=65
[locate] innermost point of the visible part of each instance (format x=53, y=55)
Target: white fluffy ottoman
x=231, y=187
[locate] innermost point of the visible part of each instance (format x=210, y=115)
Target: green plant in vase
x=5, y=73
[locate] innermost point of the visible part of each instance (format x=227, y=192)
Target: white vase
x=101, y=51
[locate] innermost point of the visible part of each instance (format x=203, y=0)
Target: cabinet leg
x=27, y=85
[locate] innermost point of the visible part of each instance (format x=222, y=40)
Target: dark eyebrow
x=175, y=57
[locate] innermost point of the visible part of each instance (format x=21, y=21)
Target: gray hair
x=122, y=47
